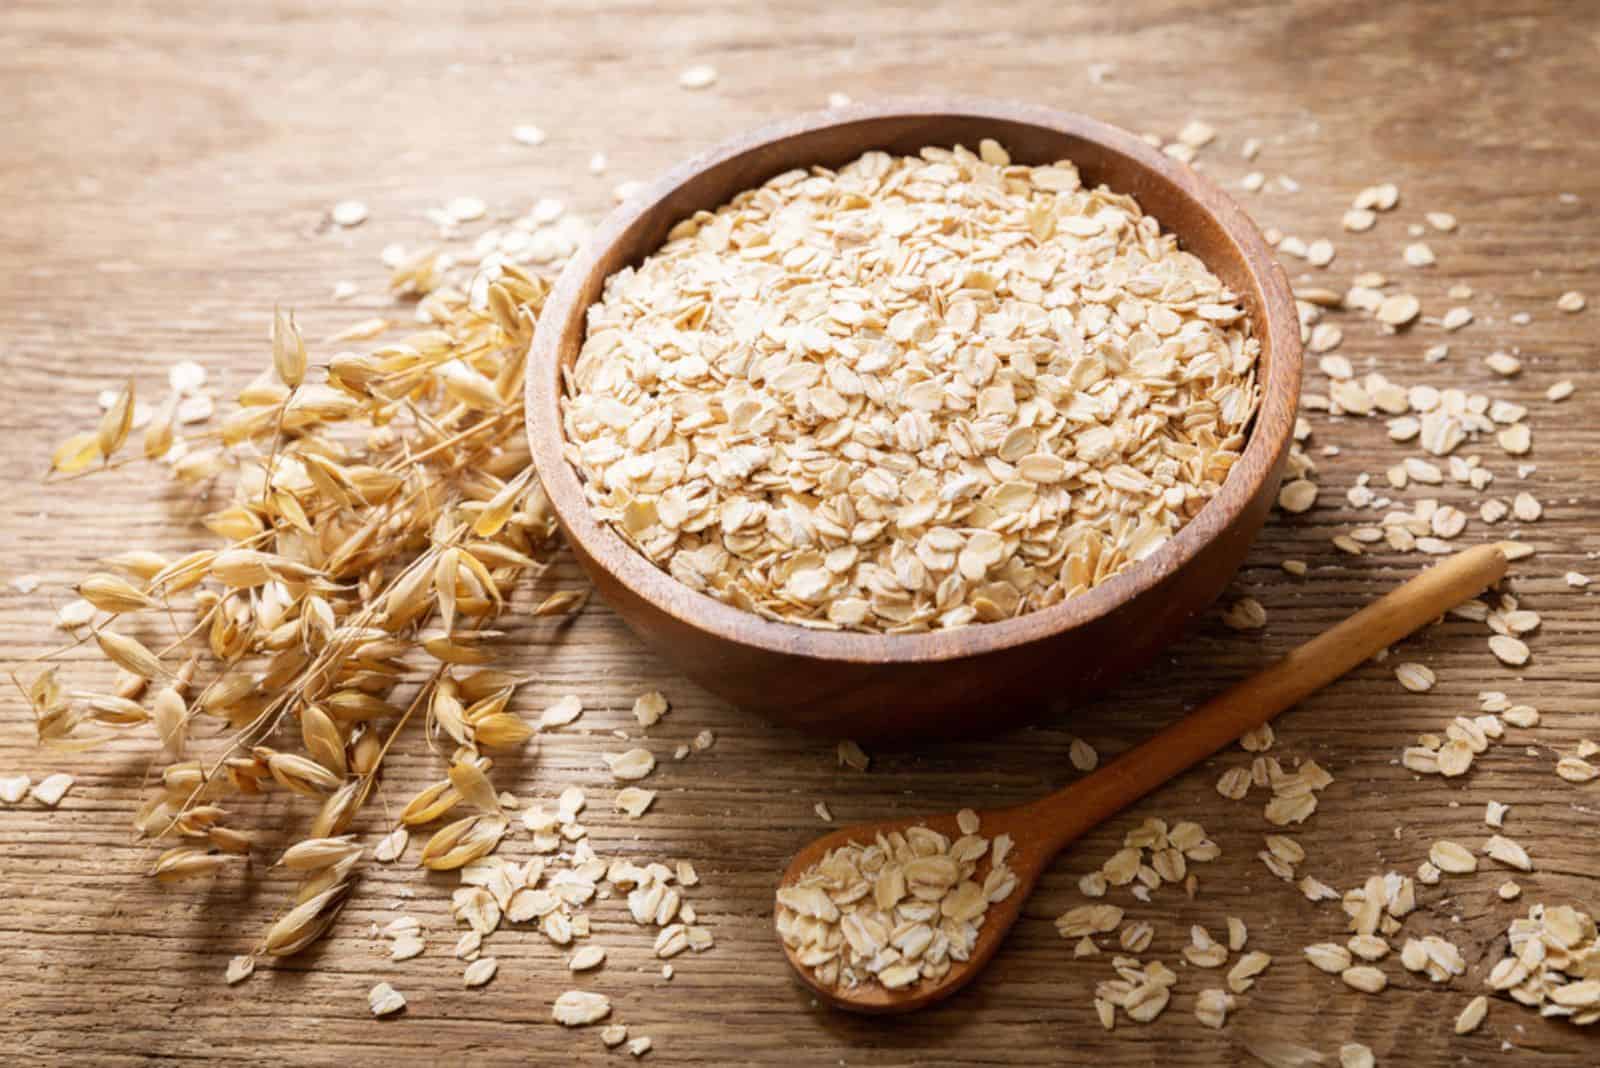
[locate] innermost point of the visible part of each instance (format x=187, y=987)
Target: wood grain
x=166, y=176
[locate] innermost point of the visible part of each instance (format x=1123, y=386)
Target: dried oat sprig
x=381, y=511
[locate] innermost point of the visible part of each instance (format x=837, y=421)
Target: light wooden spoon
x=1042, y=828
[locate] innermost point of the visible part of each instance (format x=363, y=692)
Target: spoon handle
x=1068, y=813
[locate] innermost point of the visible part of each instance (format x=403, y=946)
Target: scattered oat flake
x=186, y=376
x=480, y=971
x=1329, y=957
x=1325, y=337
x=52, y=788
x=577, y=1008
x=1246, y=613
x=1509, y=650
x=630, y=766
x=1297, y=496
x=1257, y=739
x=240, y=968
x=349, y=213
x=528, y=135
x=196, y=408
x=1452, y=857
x=1234, y=783
x=1503, y=364
x=1508, y=852
x=1418, y=678
x=1398, y=310
x=1083, y=755
x=392, y=845
x=649, y=708
x=1241, y=975
x=851, y=755
x=1576, y=769
x=1383, y=197
x=634, y=802
x=614, y=1035
x=74, y=614
x=406, y=946
x=1471, y=1016
x=385, y=1000
x=1356, y=1055
x=587, y=958
x=1359, y=220
x=466, y=209
x=1197, y=134
x=563, y=712
x=13, y=788
x=823, y=812
x=699, y=76
x=1364, y=977
x=1571, y=301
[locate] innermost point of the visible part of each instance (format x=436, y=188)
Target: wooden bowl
x=977, y=678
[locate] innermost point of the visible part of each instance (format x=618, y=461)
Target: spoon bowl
x=1027, y=860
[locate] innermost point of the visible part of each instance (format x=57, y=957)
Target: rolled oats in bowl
x=913, y=393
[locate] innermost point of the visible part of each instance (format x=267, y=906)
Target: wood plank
x=167, y=176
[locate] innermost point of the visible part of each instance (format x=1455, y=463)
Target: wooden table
x=167, y=177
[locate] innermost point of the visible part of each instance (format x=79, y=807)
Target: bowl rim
x=1277, y=324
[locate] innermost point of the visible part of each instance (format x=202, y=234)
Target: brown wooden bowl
x=976, y=678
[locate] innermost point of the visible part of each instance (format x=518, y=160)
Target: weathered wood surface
x=166, y=174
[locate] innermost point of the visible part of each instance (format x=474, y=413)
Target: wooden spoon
x=1044, y=827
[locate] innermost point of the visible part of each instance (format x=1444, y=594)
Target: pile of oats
x=897, y=911
x=1554, y=964
x=915, y=393
x=1152, y=855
